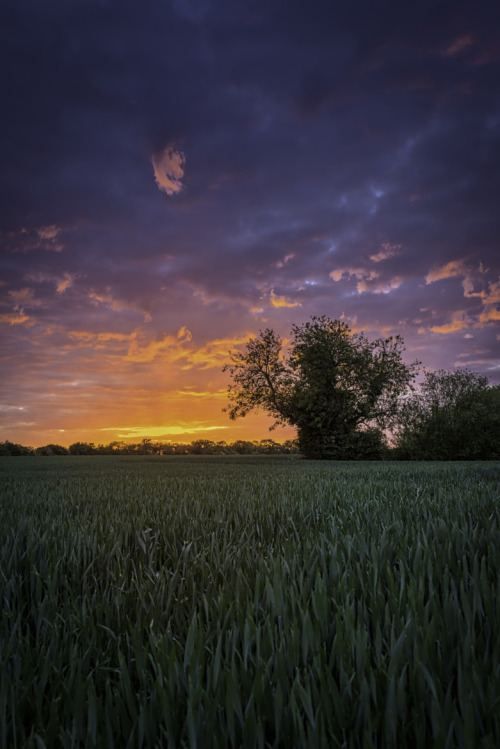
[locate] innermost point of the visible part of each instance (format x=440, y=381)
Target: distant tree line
x=148, y=447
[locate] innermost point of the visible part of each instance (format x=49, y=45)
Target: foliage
x=11, y=448
x=218, y=602
x=453, y=416
x=331, y=384
x=52, y=450
x=82, y=448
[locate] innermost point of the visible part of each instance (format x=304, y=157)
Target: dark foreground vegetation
x=248, y=602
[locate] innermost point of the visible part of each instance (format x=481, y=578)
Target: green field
x=229, y=601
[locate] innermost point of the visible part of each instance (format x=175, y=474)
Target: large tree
x=330, y=383
x=452, y=416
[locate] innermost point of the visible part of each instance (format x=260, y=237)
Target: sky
x=177, y=175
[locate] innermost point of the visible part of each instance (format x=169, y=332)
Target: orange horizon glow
x=252, y=428
x=127, y=387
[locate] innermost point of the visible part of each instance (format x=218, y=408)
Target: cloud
x=490, y=314
x=20, y=300
x=368, y=280
x=65, y=282
x=387, y=251
x=162, y=431
x=474, y=286
x=459, y=321
x=24, y=298
x=183, y=334
x=280, y=263
x=492, y=295
x=169, y=170
x=205, y=394
x=49, y=232
x=450, y=270
x=16, y=318
x=26, y=240
x=359, y=273
x=379, y=287
x=107, y=341
x=118, y=305
x=171, y=347
x=460, y=44
x=213, y=354
x=280, y=301
x=62, y=282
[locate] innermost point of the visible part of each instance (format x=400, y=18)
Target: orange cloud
x=20, y=299
x=202, y=394
x=169, y=170
x=15, y=318
x=169, y=346
x=65, y=282
x=162, y=431
x=83, y=338
x=360, y=273
x=492, y=296
x=367, y=279
x=178, y=348
x=213, y=354
x=489, y=315
x=280, y=301
x=459, y=321
x=450, y=270
x=380, y=287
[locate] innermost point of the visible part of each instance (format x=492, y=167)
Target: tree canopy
x=331, y=383
x=452, y=416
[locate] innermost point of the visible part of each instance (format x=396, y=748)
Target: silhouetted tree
x=331, y=384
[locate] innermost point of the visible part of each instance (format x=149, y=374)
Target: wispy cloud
x=108, y=299
x=15, y=318
x=22, y=240
x=163, y=431
x=387, y=250
x=450, y=270
x=459, y=45
x=170, y=347
x=22, y=298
